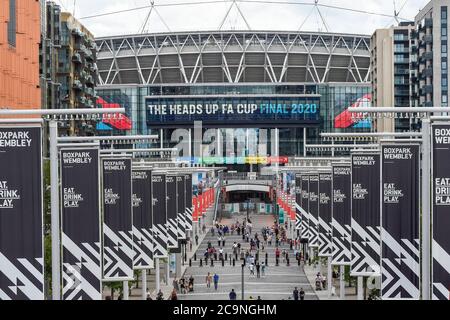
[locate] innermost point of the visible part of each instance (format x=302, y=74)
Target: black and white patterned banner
x=298, y=202
x=305, y=206
x=400, y=257
x=117, y=246
x=313, y=211
x=181, y=208
x=142, y=219
x=441, y=212
x=80, y=194
x=21, y=230
x=325, y=192
x=160, y=215
x=366, y=239
x=188, y=200
x=171, y=209
x=342, y=215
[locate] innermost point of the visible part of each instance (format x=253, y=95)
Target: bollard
x=234, y=263
x=190, y=262
x=223, y=263
x=267, y=259
x=298, y=261
x=276, y=262
x=201, y=263
x=212, y=263
x=226, y=256
x=195, y=256
x=287, y=262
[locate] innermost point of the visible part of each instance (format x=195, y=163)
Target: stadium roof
x=233, y=57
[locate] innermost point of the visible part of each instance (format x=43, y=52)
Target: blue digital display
x=233, y=111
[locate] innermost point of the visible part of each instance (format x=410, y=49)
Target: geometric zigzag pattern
x=298, y=217
x=305, y=225
x=143, y=248
x=188, y=220
x=81, y=270
x=181, y=226
x=117, y=255
x=172, y=233
x=441, y=272
x=400, y=268
x=341, y=243
x=23, y=280
x=325, y=243
x=313, y=231
x=160, y=240
x=366, y=250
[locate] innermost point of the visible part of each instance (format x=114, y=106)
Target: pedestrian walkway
x=277, y=284
x=165, y=286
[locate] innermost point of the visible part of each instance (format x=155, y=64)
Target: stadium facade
x=301, y=83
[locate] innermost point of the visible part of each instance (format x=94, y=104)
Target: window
x=444, y=65
x=12, y=23
x=444, y=48
x=443, y=32
x=443, y=12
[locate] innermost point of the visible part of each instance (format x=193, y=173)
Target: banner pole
x=126, y=291
x=168, y=270
x=426, y=213
x=329, y=278
x=360, y=288
x=144, y=284
x=342, y=283
x=54, y=208
x=157, y=271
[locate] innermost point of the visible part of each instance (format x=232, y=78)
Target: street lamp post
x=242, y=284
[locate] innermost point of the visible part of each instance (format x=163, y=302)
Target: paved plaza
x=277, y=284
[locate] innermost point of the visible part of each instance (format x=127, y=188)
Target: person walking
x=302, y=294
x=232, y=295
x=173, y=295
x=208, y=280
x=160, y=295
x=295, y=294
x=258, y=270
x=196, y=239
x=216, y=281
x=277, y=256
x=263, y=269
x=191, y=284
x=176, y=287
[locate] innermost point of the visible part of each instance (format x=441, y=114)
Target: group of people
x=183, y=285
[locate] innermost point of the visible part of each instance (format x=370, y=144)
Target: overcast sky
x=259, y=16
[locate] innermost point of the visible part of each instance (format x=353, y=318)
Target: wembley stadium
x=300, y=83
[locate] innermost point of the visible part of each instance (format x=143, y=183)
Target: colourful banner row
x=202, y=202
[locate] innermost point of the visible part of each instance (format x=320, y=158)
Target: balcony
x=428, y=56
x=76, y=58
x=428, y=89
x=77, y=85
x=428, y=39
x=428, y=23
x=428, y=72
